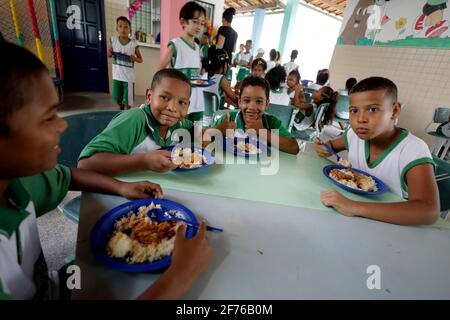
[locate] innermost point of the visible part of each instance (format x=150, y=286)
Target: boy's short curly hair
x=276, y=76
x=255, y=82
x=376, y=83
x=169, y=73
x=123, y=18
x=20, y=73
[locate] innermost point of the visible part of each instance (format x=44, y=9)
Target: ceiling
x=335, y=7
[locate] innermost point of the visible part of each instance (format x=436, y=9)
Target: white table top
x=271, y=251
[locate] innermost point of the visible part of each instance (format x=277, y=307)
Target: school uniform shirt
x=280, y=96
x=269, y=122
x=392, y=165
x=23, y=272
x=122, y=67
x=216, y=88
x=270, y=65
x=186, y=58
x=132, y=132
x=290, y=66
x=204, y=51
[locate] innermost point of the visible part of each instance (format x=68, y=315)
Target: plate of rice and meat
x=190, y=158
x=129, y=238
x=354, y=180
x=245, y=147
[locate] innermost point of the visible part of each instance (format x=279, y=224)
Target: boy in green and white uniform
x=251, y=118
x=132, y=140
x=377, y=146
x=245, y=61
x=124, y=52
x=184, y=54
x=31, y=183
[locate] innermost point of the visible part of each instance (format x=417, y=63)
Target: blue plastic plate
x=382, y=188
x=121, y=55
x=202, y=82
x=231, y=146
x=208, y=156
x=104, y=228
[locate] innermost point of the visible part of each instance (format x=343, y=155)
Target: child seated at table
x=259, y=67
x=253, y=102
x=217, y=67
x=278, y=93
x=131, y=140
x=394, y=155
x=31, y=184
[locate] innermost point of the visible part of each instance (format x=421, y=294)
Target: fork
x=331, y=151
x=163, y=217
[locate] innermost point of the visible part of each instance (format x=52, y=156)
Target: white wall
x=314, y=35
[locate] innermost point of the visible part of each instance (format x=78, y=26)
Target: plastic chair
x=308, y=90
x=442, y=175
x=313, y=132
x=81, y=129
x=211, y=102
x=440, y=141
x=342, y=109
x=308, y=97
x=283, y=113
x=306, y=83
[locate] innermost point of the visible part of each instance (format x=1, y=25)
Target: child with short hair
x=259, y=67
x=349, y=84
x=245, y=61
x=132, y=140
x=253, y=102
x=205, y=45
x=217, y=67
x=291, y=65
x=278, y=93
x=184, y=54
x=272, y=59
x=31, y=184
x=124, y=52
x=377, y=146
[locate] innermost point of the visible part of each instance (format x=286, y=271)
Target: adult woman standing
x=227, y=36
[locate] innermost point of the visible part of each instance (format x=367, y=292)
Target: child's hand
x=140, y=190
x=226, y=124
x=332, y=198
x=190, y=257
x=320, y=150
x=159, y=161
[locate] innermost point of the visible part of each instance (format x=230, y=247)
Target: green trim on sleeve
x=174, y=49
x=346, y=139
x=125, y=131
x=404, y=133
x=411, y=165
x=3, y=295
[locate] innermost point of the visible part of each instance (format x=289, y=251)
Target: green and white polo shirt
x=23, y=272
x=269, y=122
x=393, y=164
x=131, y=132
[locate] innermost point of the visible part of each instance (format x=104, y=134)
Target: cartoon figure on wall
x=432, y=19
x=356, y=26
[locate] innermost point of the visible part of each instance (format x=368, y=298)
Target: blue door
x=81, y=27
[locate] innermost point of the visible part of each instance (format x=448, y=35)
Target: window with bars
x=146, y=22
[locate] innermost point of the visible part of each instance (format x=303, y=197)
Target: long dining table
x=279, y=241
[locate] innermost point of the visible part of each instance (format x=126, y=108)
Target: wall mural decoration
x=411, y=23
